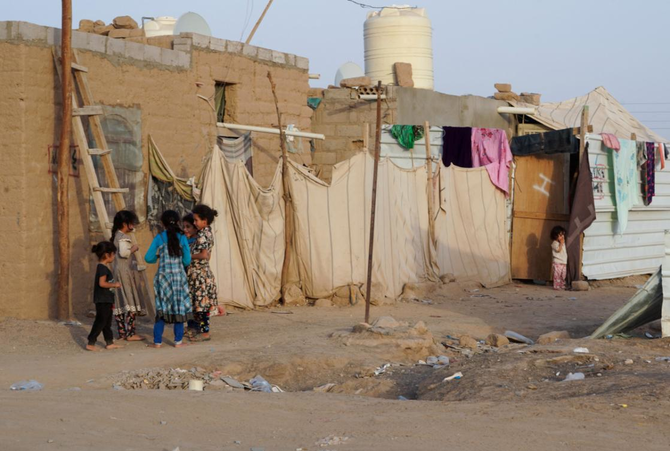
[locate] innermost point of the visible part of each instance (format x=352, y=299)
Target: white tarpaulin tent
x=332, y=227
x=606, y=115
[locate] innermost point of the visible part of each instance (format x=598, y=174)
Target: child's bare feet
x=181, y=345
x=113, y=346
x=136, y=338
x=92, y=348
x=154, y=345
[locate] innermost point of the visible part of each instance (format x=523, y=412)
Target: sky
x=561, y=49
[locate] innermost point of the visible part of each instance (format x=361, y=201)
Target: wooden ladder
x=93, y=112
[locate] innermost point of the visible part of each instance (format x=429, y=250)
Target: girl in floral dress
x=200, y=278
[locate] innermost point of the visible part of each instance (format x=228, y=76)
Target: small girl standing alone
x=128, y=303
x=560, y=257
x=173, y=303
x=200, y=277
x=103, y=297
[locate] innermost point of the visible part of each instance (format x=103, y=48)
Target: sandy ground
x=508, y=399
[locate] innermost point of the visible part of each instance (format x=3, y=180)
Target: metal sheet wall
x=640, y=250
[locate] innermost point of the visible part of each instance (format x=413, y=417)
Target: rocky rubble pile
x=171, y=379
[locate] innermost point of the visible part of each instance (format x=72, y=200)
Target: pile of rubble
x=122, y=27
x=505, y=93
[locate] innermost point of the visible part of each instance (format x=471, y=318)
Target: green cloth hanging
x=406, y=135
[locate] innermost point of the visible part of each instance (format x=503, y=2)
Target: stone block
x=302, y=62
x=97, y=43
x=234, y=47
x=466, y=341
x=249, y=50
x=86, y=26
x=119, y=33
x=497, y=340
x=551, y=337
x=152, y=54
x=79, y=40
x=290, y=59
x=182, y=47
x=218, y=45
x=125, y=22
x=184, y=59
x=116, y=47
x=137, y=33
x=32, y=32
x=134, y=51
x=169, y=57
x=4, y=31
x=580, y=285
x=200, y=40
x=99, y=23
x=342, y=93
x=506, y=96
x=403, y=75
x=503, y=87
x=264, y=54
x=355, y=82
x=530, y=97
x=103, y=30
x=278, y=57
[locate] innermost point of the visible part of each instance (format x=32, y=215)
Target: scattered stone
x=503, y=87
x=420, y=328
x=551, y=337
x=216, y=383
x=377, y=296
x=355, y=82
x=323, y=303
x=497, y=340
x=332, y=440
x=119, y=33
x=324, y=388
x=387, y=322
x=506, y=96
x=531, y=387
x=103, y=30
x=447, y=278
x=530, y=97
x=86, y=25
x=50, y=440
x=293, y=295
x=99, y=23
x=563, y=360
x=580, y=285
x=403, y=75
x=418, y=291
x=163, y=423
x=125, y=22
x=628, y=362
x=467, y=341
x=361, y=327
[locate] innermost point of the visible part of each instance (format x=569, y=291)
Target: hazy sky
x=561, y=49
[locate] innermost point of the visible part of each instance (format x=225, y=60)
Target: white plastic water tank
x=160, y=26
x=348, y=70
x=399, y=34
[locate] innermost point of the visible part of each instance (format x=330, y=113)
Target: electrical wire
x=247, y=20
x=365, y=5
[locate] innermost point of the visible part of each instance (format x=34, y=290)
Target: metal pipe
x=516, y=110
x=371, y=97
x=272, y=131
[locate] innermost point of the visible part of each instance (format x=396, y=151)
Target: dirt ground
x=509, y=398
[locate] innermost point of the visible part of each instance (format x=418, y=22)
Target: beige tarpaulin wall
x=248, y=233
x=470, y=227
x=332, y=229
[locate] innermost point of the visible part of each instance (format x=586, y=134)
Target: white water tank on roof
x=160, y=26
x=399, y=34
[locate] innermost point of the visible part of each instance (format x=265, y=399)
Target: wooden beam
x=88, y=111
x=99, y=152
x=258, y=23
x=79, y=67
x=111, y=190
x=62, y=197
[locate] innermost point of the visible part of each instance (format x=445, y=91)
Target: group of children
x=184, y=286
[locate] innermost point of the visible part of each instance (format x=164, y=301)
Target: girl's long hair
x=170, y=220
x=121, y=218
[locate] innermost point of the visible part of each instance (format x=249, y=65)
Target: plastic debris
x=663, y=359
x=456, y=376
x=648, y=335
x=382, y=369
x=581, y=350
x=259, y=383
x=513, y=336
x=402, y=398
x=232, y=382
x=431, y=360
x=31, y=385
x=574, y=377
x=443, y=360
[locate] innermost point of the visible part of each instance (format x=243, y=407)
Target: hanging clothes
x=457, y=146
x=406, y=135
x=611, y=141
x=490, y=148
x=648, y=172
x=661, y=154
x=625, y=183
x=557, y=141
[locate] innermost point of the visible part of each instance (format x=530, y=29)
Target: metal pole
x=288, y=214
x=378, y=138
x=62, y=204
x=260, y=19
x=583, y=128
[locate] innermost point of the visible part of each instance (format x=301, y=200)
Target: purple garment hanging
x=457, y=146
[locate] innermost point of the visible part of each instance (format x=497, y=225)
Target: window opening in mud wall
x=220, y=92
x=122, y=128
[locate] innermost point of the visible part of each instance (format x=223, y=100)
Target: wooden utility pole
x=260, y=19
x=378, y=138
x=429, y=172
x=62, y=204
x=583, y=129
x=288, y=202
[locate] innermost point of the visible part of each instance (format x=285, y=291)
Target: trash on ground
x=280, y=312
x=195, y=385
x=513, y=336
x=663, y=359
x=332, y=440
x=31, y=385
x=232, y=382
x=259, y=383
x=69, y=323
x=456, y=376
x=648, y=335
x=325, y=388
x=581, y=350
x=574, y=377
x=628, y=362
x=382, y=369
x=402, y=398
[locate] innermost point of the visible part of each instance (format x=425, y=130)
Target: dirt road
x=508, y=399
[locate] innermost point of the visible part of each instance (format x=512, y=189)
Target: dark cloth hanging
x=648, y=172
x=582, y=215
x=558, y=141
x=457, y=146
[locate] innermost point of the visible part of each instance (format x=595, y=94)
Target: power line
x=364, y=5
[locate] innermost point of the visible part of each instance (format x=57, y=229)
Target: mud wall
x=163, y=84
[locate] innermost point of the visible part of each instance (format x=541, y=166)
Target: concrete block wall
x=163, y=83
x=341, y=116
